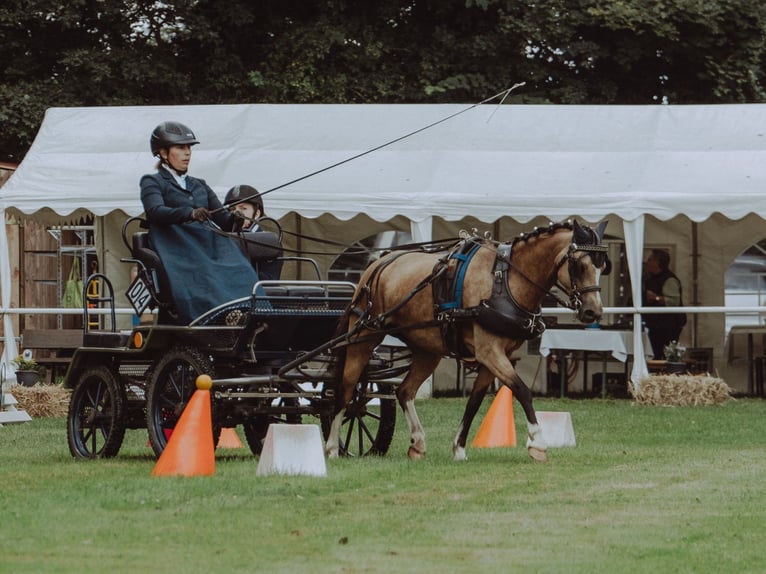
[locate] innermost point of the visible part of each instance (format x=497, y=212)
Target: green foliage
x=23, y=364
x=113, y=52
x=674, y=352
x=646, y=489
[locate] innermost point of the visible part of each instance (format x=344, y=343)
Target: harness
x=500, y=314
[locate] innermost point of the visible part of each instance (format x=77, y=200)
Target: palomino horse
x=499, y=290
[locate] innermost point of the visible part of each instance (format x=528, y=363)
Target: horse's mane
x=538, y=231
x=551, y=229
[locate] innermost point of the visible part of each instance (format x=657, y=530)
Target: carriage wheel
x=258, y=426
x=255, y=432
x=95, y=421
x=171, y=385
x=368, y=425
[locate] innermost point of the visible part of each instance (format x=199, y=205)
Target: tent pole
x=695, y=281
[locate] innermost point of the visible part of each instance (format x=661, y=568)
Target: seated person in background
x=250, y=207
x=204, y=267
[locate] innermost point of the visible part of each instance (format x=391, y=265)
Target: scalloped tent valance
x=520, y=161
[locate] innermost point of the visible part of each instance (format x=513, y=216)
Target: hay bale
x=42, y=400
x=681, y=390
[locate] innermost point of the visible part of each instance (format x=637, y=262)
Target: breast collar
x=501, y=313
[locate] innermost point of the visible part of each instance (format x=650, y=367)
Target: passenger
x=205, y=268
x=251, y=210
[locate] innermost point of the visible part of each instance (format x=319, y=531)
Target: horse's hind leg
x=356, y=359
x=423, y=364
x=536, y=446
x=480, y=386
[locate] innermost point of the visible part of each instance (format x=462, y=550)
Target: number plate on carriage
x=139, y=295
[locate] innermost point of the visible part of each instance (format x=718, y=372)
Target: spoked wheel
x=255, y=432
x=95, y=421
x=369, y=421
x=171, y=386
x=257, y=427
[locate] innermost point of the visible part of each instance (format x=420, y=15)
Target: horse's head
x=586, y=260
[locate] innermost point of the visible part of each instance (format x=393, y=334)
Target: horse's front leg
x=499, y=364
x=422, y=366
x=537, y=448
x=479, y=391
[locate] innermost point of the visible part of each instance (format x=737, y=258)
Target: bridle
x=599, y=257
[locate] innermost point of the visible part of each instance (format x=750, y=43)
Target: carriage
x=268, y=355
x=294, y=349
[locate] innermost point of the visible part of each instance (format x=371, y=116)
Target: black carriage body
x=249, y=337
x=244, y=345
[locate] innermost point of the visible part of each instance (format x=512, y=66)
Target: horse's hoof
x=458, y=454
x=415, y=454
x=537, y=454
x=331, y=454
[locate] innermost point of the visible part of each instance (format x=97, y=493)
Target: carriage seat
x=146, y=255
x=262, y=246
x=264, y=250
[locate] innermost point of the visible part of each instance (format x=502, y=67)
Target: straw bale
x=42, y=400
x=681, y=390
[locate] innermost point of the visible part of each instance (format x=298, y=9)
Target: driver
x=206, y=269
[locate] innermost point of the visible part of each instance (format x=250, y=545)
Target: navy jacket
x=205, y=269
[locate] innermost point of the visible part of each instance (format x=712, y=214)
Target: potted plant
x=27, y=369
x=674, y=357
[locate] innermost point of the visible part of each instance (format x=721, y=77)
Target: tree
x=119, y=52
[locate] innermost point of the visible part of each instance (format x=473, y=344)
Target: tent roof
x=520, y=161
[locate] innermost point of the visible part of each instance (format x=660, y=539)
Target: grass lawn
x=646, y=489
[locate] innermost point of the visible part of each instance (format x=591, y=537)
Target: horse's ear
x=600, y=229
x=579, y=234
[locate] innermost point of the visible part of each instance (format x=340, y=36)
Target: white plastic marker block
x=292, y=450
x=557, y=428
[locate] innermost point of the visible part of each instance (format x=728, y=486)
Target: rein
x=439, y=245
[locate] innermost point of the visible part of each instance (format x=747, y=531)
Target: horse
x=498, y=291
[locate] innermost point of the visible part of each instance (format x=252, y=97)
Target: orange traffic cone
x=229, y=439
x=190, y=450
x=498, y=428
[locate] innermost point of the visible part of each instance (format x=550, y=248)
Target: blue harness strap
x=463, y=260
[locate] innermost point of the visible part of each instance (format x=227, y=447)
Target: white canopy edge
x=520, y=161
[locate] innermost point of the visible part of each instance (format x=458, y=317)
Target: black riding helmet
x=170, y=133
x=244, y=192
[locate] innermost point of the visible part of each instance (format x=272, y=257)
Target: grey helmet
x=170, y=133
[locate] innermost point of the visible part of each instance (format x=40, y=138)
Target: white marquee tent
x=662, y=168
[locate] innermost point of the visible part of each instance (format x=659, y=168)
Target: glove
x=199, y=214
x=237, y=221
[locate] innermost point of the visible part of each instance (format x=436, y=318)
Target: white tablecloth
x=620, y=343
